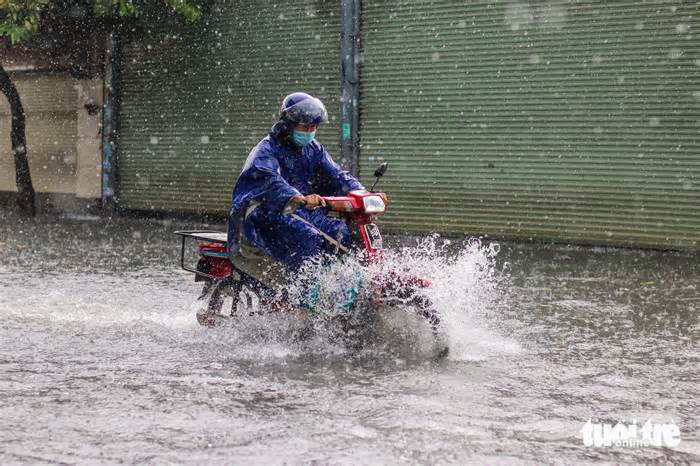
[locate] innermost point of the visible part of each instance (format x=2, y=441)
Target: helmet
x=300, y=107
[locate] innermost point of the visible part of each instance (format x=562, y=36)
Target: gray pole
x=350, y=71
x=110, y=124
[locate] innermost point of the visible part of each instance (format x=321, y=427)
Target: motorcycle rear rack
x=200, y=235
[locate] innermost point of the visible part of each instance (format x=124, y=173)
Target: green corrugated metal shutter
x=569, y=120
x=195, y=100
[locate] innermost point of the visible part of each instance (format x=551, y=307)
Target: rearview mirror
x=379, y=172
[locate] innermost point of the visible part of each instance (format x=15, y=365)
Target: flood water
x=102, y=359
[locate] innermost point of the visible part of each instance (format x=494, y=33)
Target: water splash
x=466, y=291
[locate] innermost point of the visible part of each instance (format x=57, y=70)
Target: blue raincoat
x=277, y=170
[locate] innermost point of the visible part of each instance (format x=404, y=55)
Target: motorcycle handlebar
x=302, y=205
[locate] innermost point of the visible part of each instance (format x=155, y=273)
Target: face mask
x=303, y=138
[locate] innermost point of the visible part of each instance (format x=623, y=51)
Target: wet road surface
x=102, y=360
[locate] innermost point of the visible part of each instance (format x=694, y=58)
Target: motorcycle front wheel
x=427, y=310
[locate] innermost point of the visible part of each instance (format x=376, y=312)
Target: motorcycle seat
x=253, y=261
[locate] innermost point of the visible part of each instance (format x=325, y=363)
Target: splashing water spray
x=466, y=290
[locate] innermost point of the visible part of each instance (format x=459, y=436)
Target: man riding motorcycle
x=287, y=170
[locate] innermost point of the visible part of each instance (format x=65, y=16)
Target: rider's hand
x=314, y=201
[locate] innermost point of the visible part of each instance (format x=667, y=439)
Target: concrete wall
x=88, y=144
x=63, y=116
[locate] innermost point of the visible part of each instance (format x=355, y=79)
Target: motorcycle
x=256, y=283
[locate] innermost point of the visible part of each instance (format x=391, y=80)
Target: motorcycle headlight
x=373, y=204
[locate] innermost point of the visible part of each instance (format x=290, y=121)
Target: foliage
x=20, y=19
